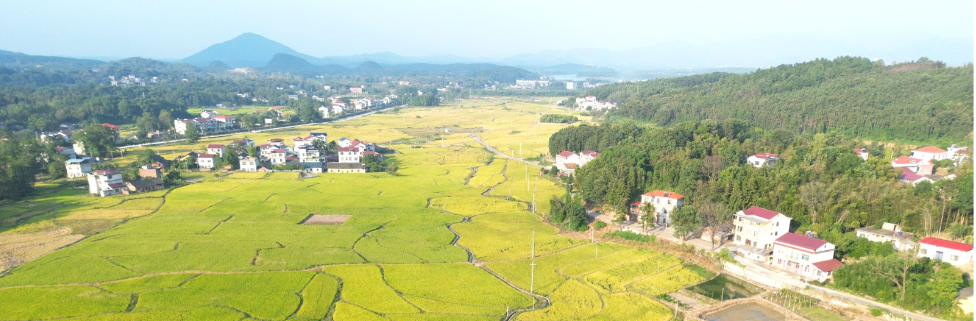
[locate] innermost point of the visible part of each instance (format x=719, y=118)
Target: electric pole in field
x=532, y=276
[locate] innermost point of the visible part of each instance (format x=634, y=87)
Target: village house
x=208, y=114
x=909, y=177
x=916, y=165
x=297, y=142
x=954, y=253
x=142, y=186
x=591, y=103
x=587, y=156
x=349, y=155
x=78, y=168
x=344, y=142
x=105, y=182
x=567, y=161
x=762, y=159
x=338, y=107
x=249, y=164
x=147, y=171
x=67, y=152
x=756, y=229
x=346, y=167
x=356, y=90
x=888, y=233
x=277, y=156
x=862, y=152
x=216, y=149
x=662, y=203
x=115, y=131
x=809, y=257
x=325, y=111
x=205, y=161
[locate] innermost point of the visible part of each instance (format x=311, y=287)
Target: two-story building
x=249, y=164
x=756, y=229
x=78, y=168
x=277, y=156
x=951, y=252
x=349, y=155
x=809, y=257
x=661, y=203
x=916, y=165
x=216, y=149
x=105, y=182
x=888, y=233
x=205, y=161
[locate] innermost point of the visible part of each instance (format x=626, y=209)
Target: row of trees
x=921, y=101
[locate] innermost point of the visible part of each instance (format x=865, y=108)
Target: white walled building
x=809, y=257
x=756, y=229
x=762, y=159
x=349, y=155
x=105, y=183
x=954, y=253
x=78, y=168
x=663, y=203
x=205, y=161
x=216, y=149
x=890, y=233
x=249, y=164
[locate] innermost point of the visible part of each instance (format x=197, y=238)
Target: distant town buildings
x=591, y=103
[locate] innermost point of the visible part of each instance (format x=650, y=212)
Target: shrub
x=876, y=312
x=600, y=225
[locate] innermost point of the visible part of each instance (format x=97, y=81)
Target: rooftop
x=667, y=194
x=828, y=265
x=946, y=244
x=801, y=241
x=760, y=212
x=930, y=149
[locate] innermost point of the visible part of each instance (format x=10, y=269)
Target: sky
x=474, y=29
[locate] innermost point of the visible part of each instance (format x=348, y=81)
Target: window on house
x=806, y=257
x=955, y=258
x=924, y=251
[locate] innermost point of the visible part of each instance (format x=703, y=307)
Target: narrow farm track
x=493, y=150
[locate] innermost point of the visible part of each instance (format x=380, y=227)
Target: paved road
x=260, y=130
x=860, y=300
x=492, y=149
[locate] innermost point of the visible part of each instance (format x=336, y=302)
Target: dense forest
x=921, y=101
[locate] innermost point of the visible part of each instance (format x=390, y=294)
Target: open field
x=444, y=239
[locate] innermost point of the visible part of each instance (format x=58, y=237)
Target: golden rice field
x=450, y=237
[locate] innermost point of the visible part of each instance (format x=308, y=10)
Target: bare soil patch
x=325, y=219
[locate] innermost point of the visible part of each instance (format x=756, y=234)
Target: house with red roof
x=105, y=182
x=909, y=177
x=756, y=229
x=587, y=156
x=661, y=203
x=916, y=165
x=862, y=152
x=216, y=149
x=762, y=159
x=951, y=252
x=205, y=161
x=567, y=162
x=115, y=130
x=930, y=153
x=809, y=257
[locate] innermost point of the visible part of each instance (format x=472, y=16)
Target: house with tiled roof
x=909, y=177
x=930, y=153
x=249, y=164
x=587, y=156
x=862, y=152
x=567, y=162
x=888, y=233
x=205, y=161
x=951, y=252
x=756, y=229
x=661, y=203
x=216, y=149
x=916, y=165
x=277, y=156
x=762, y=159
x=809, y=257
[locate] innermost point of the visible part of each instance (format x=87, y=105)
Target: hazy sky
x=488, y=29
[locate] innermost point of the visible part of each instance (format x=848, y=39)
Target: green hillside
x=922, y=101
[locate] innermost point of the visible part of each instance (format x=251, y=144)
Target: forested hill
x=922, y=101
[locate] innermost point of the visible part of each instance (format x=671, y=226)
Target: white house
x=663, y=204
x=338, y=107
x=216, y=149
x=587, y=156
x=954, y=253
x=208, y=114
x=249, y=164
x=890, y=233
x=78, y=167
x=349, y=155
x=590, y=102
x=762, y=159
x=756, y=229
x=930, y=153
x=344, y=142
x=809, y=257
x=277, y=156
x=205, y=161
x=325, y=111
x=105, y=183
x=862, y=152
x=298, y=142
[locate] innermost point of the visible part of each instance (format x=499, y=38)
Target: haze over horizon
x=489, y=31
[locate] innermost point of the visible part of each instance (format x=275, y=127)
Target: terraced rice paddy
x=444, y=239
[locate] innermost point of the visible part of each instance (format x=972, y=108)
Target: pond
x=745, y=312
x=725, y=287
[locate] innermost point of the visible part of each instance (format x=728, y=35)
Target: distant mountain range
x=665, y=59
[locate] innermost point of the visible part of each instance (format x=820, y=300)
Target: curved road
x=493, y=150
